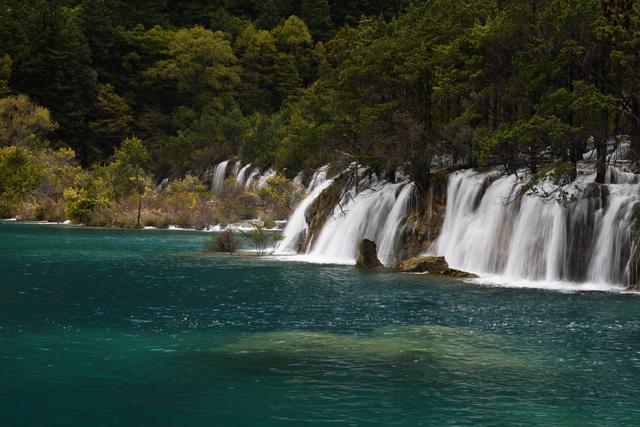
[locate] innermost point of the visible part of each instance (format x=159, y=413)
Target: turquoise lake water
x=141, y=328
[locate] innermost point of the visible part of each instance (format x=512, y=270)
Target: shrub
x=78, y=205
x=223, y=242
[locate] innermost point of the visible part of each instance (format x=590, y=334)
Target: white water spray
x=376, y=213
x=490, y=230
x=242, y=176
x=219, y=174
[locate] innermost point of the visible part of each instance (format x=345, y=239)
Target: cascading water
x=297, y=181
x=489, y=228
x=375, y=213
x=297, y=225
x=219, y=174
x=241, y=177
x=318, y=178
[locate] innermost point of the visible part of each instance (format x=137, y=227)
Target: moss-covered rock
x=459, y=274
x=424, y=264
x=433, y=265
x=368, y=256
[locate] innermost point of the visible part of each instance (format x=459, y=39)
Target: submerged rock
x=368, y=256
x=424, y=264
x=429, y=348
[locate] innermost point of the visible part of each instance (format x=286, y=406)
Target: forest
x=101, y=100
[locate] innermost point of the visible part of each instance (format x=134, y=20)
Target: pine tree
x=54, y=69
x=316, y=14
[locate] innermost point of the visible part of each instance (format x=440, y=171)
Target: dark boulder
x=433, y=265
x=368, y=256
x=424, y=264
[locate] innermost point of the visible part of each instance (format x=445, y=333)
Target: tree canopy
x=391, y=85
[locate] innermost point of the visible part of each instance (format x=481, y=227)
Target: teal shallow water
x=132, y=328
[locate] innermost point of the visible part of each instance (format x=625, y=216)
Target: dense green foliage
x=391, y=85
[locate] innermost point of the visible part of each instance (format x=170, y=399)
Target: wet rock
x=459, y=274
x=425, y=217
x=424, y=264
x=368, y=256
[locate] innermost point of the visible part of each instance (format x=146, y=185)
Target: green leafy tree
x=293, y=38
x=128, y=171
x=270, y=13
x=23, y=123
x=269, y=76
x=53, y=67
x=203, y=67
x=111, y=119
x=99, y=22
x=317, y=15
x=20, y=174
x=6, y=63
x=127, y=167
x=280, y=190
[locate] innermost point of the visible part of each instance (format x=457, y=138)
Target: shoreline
x=485, y=280
x=211, y=229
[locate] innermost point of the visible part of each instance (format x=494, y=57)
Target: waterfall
x=297, y=181
x=241, y=176
x=375, y=213
x=491, y=229
x=318, y=178
x=389, y=238
x=297, y=225
x=613, y=245
x=219, y=174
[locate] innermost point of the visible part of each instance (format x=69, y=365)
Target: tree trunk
x=139, y=209
x=601, y=163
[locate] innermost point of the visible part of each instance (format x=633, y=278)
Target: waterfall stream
x=242, y=176
x=219, y=174
x=491, y=227
x=297, y=226
x=490, y=230
x=375, y=213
